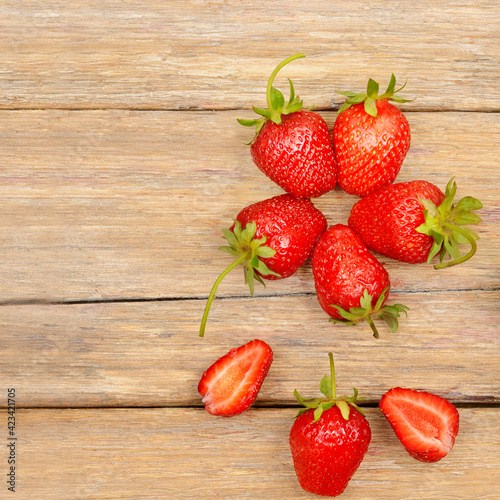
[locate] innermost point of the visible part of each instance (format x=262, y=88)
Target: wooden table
x=121, y=159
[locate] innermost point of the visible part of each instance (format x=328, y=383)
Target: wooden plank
x=149, y=354
x=218, y=55
x=186, y=453
x=118, y=204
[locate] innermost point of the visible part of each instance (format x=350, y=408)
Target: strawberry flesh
x=231, y=385
x=426, y=424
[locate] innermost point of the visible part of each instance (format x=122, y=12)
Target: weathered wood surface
x=120, y=204
x=218, y=54
x=121, y=159
x=185, y=453
x=149, y=354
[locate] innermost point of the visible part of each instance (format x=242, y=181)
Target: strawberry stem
x=369, y=320
x=276, y=113
x=463, y=258
x=211, y=296
x=333, y=392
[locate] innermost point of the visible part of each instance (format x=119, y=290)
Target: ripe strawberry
x=351, y=284
x=370, y=138
x=289, y=228
x=413, y=221
x=328, y=439
x=426, y=424
x=292, y=146
x=231, y=385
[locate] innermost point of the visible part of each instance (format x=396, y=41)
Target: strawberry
x=370, y=138
x=328, y=439
x=426, y=424
x=272, y=239
x=231, y=385
x=351, y=284
x=413, y=221
x=292, y=146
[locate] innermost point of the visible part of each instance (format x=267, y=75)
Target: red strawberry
x=351, y=284
x=292, y=147
x=328, y=440
x=289, y=228
x=426, y=424
x=413, y=221
x=231, y=385
x=370, y=138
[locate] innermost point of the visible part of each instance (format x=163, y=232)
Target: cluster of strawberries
x=408, y=221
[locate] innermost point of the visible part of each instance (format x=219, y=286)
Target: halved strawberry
x=232, y=383
x=426, y=424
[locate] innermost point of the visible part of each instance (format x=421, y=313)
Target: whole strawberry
x=351, y=284
x=425, y=423
x=370, y=138
x=414, y=221
x=271, y=239
x=231, y=385
x=328, y=439
x=292, y=146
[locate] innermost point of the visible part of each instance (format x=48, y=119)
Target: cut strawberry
x=426, y=424
x=232, y=383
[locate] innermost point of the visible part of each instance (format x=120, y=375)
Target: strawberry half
x=426, y=424
x=370, y=138
x=414, y=221
x=231, y=385
x=271, y=239
x=328, y=439
x=351, y=284
x=292, y=146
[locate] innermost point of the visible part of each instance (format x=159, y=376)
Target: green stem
x=465, y=257
x=332, y=377
x=372, y=326
x=276, y=117
x=238, y=261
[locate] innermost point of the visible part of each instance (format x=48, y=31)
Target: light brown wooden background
x=121, y=159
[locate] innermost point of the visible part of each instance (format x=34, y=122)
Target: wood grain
x=186, y=453
x=104, y=205
x=219, y=54
x=149, y=354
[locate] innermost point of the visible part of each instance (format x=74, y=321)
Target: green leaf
x=391, y=86
x=277, y=99
x=466, y=218
x=344, y=107
x=371, y=107
x=292, y=92
x=230, y=251
x=344, y=409
x=468, y=203
x=230, y=237
x=372, y=89
x=247, y=123
x=249, y=278
x=365, y=301
x=347, y=94
x=237, y=229
x=357, y=99
x=325, y=386
x=318, y=412
x=264, y=112
x=249, y=232
x=390, y=321
x=265, y=252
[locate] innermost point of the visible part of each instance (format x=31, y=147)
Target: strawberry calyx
x=444, y=224
x=248, y=251
x=371, y=96
x=367, y=312
x=276, y=103
x=328, y=389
